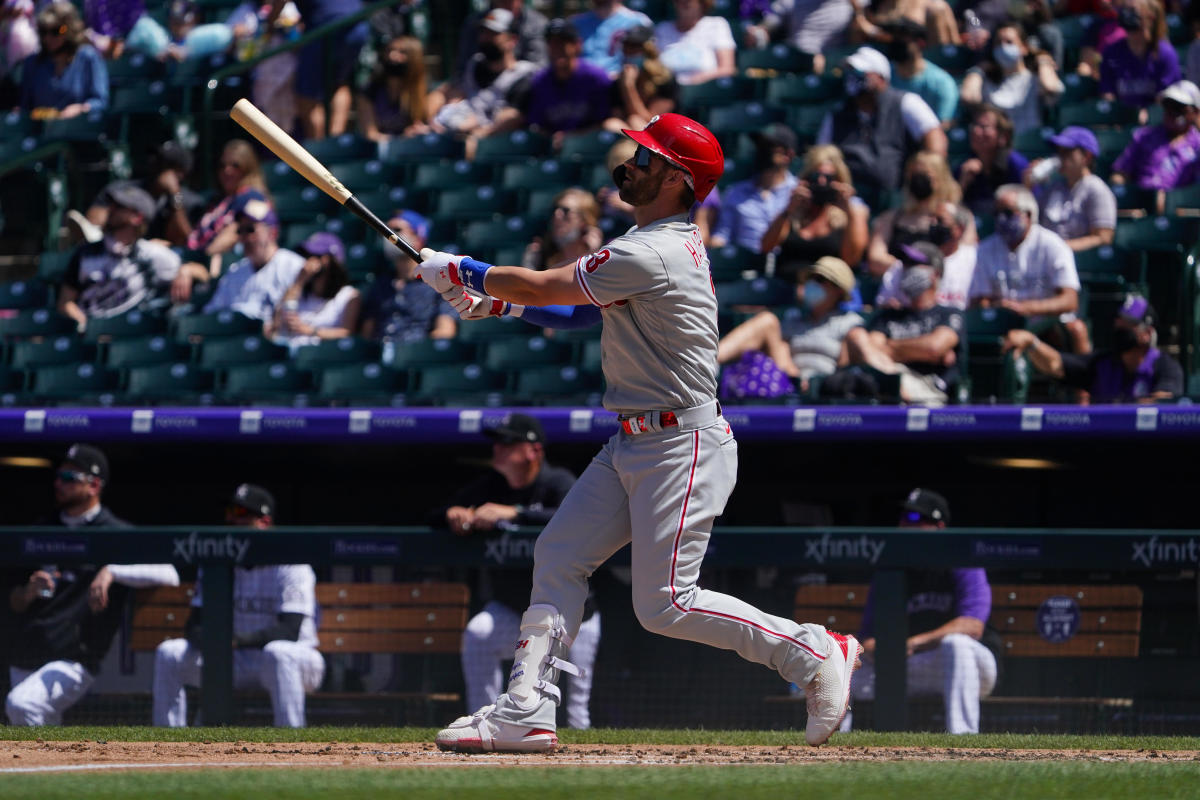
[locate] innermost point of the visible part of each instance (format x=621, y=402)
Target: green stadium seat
x=131, y=323
x=517, y=352
x=806, y=120
x=553, y=385
x=365, y=260
x=366, y=176
x=539, y=175
x=773, y=58
x=1113, y=142
x=489, y=234
x=150, y=98
x=435, y=382
x=1133, y=198
x=729, y=262
x=302, y=204
x=83, y=383
x=485, y=330
x=1032, y=143
x=281, y=177
x=458, y=174
x=955, y=59
x=15, y=295
x=16, y=124
x=195, y=71
x=1111, y=265
x=425, y=149
x=33, y=353
x=230, y=351
x=275, y=380
x=509, y=255
x=745, y=117
x=1092, y=113
x=1077, y=89
x=386, y=201
x=477, y=202
x=11, y=381
x=143, y=351
x=83, y=128
x=994, y=375
x=596, y=176
x=179, y=382
x=696, y=98
x=540, y=202
x=197, y=327
x=755, y=292
x=803, y=89
x=430, y=352
x=341, y=149
x=1184, y=201
x=365, y=384
x=588, y=147
x=1159, y=234
x=35, y=322
x=345, y=230
x=133, y=68
x=589, y=359
x=509, y=147
x=347, y=350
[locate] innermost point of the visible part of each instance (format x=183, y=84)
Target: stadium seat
x=12, y=381
x=555, y=385
x=588, y=147
x=340, y=149
x=1184, y=201
x=133, y=69
x=517, y=352
x=774, y=58
x=803, y=89
x=302, y=204
x=366, y=175
x=35, y=322
x=42, y=352
x=346, y=350
x=458, y=174
x=1133, y=198
x=590, y=356
x=755, y=292
x=696, y=98
x=489, y=234
x=281, y=177
x=806, y=120
x=745, y=117
x=364, y=260
x=277, y=383
x=386, y=201
x=365, y=384
x=221, y=323
x=15, y=295
x=955, y=59
x=1033, y=144
x=1093, y=113
x=172, y=383
x=435, y=382
x=297, y=232
x=52, y=266
x=424, y=149
x=230, y=351
x=508, y=147
x=144, y=350
x=596, y=176
x=1077, y=89
x=730, y=262
x=1160, y=234
x=485, y=330
x=477, y=202
x=994, y=375
x=131, y=323
x=509, y=255
x=81, y=383
x=540, y=202
x=429, y=352
x=539, y=175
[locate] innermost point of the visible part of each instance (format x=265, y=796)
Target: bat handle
x=357, y=208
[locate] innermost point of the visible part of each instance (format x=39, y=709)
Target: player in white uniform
x=665, y=477
x=274, y=631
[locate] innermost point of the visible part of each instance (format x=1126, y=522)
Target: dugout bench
x=419, y=624
x=1077, y=622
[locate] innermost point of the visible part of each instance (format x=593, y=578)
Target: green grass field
x=1087, y=776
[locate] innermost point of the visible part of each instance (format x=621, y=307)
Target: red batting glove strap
x=452, y=271
x=498, y=307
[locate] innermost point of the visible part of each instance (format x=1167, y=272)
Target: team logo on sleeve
x=592, y=262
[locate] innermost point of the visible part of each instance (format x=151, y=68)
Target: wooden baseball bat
x=258, y=125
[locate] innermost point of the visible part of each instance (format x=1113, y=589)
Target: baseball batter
x=274, y=631
x=659, y=482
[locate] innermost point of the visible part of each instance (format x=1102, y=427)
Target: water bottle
x=1001, y=285
x=49, y=569
x=1045, y=169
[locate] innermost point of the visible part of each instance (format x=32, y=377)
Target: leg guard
x=540, y=657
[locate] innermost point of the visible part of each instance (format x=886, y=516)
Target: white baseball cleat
x=482, y=733
x=828, y=694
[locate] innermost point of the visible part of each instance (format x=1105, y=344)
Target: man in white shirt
x=1028, y=269
x=255, y=284
x=954, y=288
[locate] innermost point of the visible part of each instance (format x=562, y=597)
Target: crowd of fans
x=906, y=206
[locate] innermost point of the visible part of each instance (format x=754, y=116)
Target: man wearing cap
x=528, y=23
x=398, y=308
x=1165, y=156
x=958, y=264
x=522, y=488
x=124, y=271
x=254, y=285
x=749, y=206
x=947, y=622
x=60, y=619
x=1026, y=268
x=601, y=29
x=922, y=342
x=1077, y=204
x=274, y=630
x=320, y=303
x=483, y=96
x=1132, y=370
x=878, y=127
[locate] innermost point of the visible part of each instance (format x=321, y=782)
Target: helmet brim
x=647, y=141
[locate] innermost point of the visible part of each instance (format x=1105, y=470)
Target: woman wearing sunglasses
x=571, y=231
x=68, y=77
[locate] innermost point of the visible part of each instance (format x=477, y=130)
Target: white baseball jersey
x=659, y=343
x=260, y=594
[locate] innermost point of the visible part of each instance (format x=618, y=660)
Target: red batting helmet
x=687, y=144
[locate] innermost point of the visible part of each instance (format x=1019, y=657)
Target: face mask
x=397, y=69
x=1007, y=55
x=1175, y=122
x=916, y=280
x=920, y=186
x=491, y=51
x=1129, y=19
x=1011, y=227
x=898, y=51
x=567, y=237
x=1124, y=339
x=938, y=234
x=635, y=61
x=855, y=83
x=814, y=294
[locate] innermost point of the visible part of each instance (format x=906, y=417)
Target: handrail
x=240, y=67
x=37, y=154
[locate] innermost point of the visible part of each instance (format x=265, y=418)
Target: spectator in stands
x=530, y=26
x=570, y=95
x=993, y=160
x=1132, y=370
x=254, y=285
x=950, y=652
x=191, y=40
x=1191, y=67
x=342, y=58
x=108, y=23
x=809, y=340
x=320, y=303
x=239, y=180
x=601, y=30
x=928, y=186
x=913, y=73
x=60, y=621
x=823, y=216
x=810, y=26
x=571, y=232
x=749, y=206
x=124, y=271
x=696, y=46
x=1028, y=269
x=1075, y=204
x=958, y=263
x=878, y=127
x=481, y=102
x=274, y=630
x=396, y=100
x=521, y=488
x=273, y=89
x=399, y=309
x=645, y=86
x=1007, y=82
x=67, y=77
x=1165, y=156
x=1135, y=69
x=922, y=342
x=18, y=40
x=613, y=209
x=936, y=17
x=176, y=204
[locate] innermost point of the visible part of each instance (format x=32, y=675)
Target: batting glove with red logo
x=437, y=269
x=470, y=305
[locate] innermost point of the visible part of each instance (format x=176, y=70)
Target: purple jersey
x=935, y=598
x=1137, y=80
x=1154, y=161
x=581, y=101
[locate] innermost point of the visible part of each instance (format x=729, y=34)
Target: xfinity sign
x=845, y=548
x=195, y=547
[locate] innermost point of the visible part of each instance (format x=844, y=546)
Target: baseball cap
x=254, y=499
x=921, y=253
x=1183, y=92
x=172, y=155
x=135, y=198
x=498, y=20
x=1076, y=136
x=323, y=244
x=836, y=271
x=776, y=135
x=517, y=428
x=88, y=459
x=419, y=223
x=1137, y=309
x=868, y=59
x=926, y=504
x=258, y=211
x=561, y=29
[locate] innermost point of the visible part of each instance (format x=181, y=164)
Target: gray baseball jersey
x=659, y=343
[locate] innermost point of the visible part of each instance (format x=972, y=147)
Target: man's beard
x=641, y=191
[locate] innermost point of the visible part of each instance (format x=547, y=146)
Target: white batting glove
x=434, y=269
x=470, y=305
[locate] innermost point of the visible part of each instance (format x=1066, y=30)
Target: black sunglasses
x=71, y=476
x=642, y=156
x=244, y=229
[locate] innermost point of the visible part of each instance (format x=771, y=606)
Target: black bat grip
x=359, y=210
